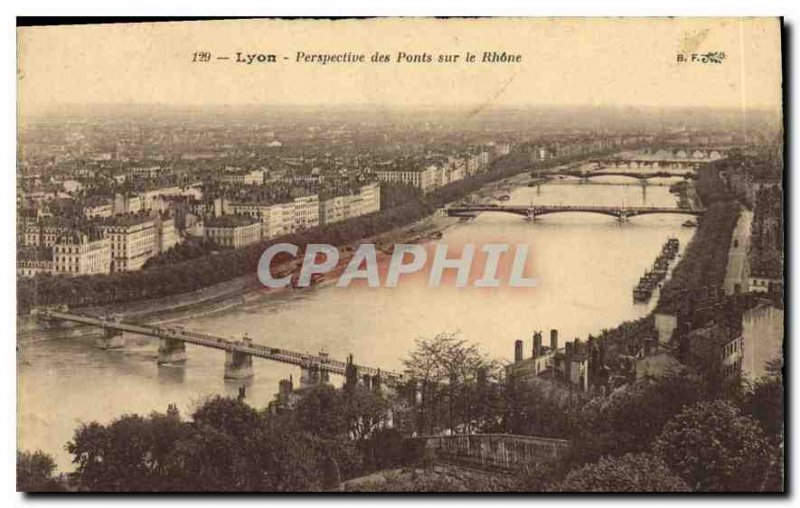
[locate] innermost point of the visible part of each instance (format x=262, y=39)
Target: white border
x=786, y=8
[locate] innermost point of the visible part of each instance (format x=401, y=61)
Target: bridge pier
x=238, y=365
x=622, y=217
x=312, y=375
x=45, y=322
x=371, y=382
x=111, y=339
x=171, y=351
x=530, y=214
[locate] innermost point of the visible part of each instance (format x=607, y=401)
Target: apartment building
x=276, y=218
x=716, y=351
x=79, y=253
x=233, y=230
x=32, y=261
x=306, y=212
x=338, y=208
x=44, y=233
x=242, y=177
x=424, y=178
x=167, y=236
x=99, y=209
x=134, y=240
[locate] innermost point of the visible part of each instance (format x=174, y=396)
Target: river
x=586, y=266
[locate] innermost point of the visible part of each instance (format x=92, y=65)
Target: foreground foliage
x=629, y=473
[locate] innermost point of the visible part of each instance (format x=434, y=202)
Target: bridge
x=640, y=183
x=239, y=354
x=534, y=211
x=631, y=174
x=650, y=163
x=640, y=176
x=666, y=156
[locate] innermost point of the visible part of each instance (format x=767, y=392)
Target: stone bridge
x=534, y=211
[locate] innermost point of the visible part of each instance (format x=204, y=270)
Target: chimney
x=567, y=360
x=554, y=340
x=285, y=387
x=537, y=344
x=517, y=351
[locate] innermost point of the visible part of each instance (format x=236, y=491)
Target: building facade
x=79, y=253
x=134, y=240
x=32, y=261
x=424, y=178
x=338, y=208
x=233, y=230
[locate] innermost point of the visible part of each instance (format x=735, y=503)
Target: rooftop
x=230, y=221
x=126, y=220
x=35, y=254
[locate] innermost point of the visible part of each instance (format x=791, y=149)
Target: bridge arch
x=620, y=174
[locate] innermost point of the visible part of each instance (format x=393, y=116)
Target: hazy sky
x=564, y=61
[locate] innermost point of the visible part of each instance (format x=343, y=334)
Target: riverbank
x=233, y=292
x=241, y=289
x=703, y=266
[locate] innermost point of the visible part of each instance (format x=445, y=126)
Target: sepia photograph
x=400, y=255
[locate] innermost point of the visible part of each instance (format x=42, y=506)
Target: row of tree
x=705, y=260
x=226, y=446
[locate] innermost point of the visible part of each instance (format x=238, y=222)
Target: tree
x=133, y=453
x=35, y=473
x=713, y=447
x=629, y=419
x=640, y=472
x=764, y=400
x=433, y=480
x=364, y=412
x=206, y=459
x=320, y=411
x=228, y=415
x=542, y=409
x=446, y=368
x=541, y=475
